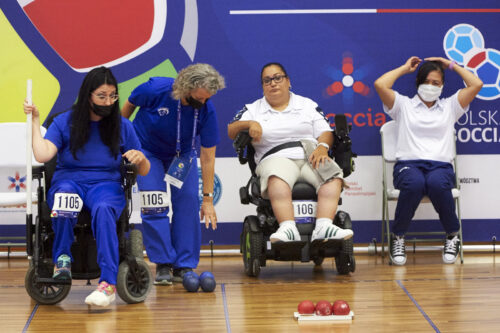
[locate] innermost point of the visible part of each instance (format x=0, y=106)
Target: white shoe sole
x=90, y=300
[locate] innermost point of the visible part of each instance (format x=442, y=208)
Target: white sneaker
x=330, y=231
x=102, y=296
x=450, y=250
x=287, y=232
x=398, y=250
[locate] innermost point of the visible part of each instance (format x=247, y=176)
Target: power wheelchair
x=255, y=245
x=134, y=280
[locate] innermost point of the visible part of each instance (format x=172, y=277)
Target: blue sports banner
x=332, y=51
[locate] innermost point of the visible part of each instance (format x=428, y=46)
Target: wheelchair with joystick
x=255, y=245
x=134, y=280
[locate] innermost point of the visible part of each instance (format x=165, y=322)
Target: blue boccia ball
x=207, y=282
x=191, y=281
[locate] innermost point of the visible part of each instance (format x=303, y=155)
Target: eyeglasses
x=104, y=98
x=277, y=79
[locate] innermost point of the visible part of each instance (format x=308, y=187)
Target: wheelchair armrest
x=241, y=144
x=37, y=171
x=242, y=140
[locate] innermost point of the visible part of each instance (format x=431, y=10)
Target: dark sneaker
x=450, y=250
x=398, y=250
x=179, y=273
x=62, y=270
x=163, y=274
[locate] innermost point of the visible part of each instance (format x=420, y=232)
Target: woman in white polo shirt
x=282, y=117
x=425, y=146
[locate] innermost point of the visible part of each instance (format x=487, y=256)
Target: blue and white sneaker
x=62, y=269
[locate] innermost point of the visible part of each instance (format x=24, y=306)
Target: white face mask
x=429, y=93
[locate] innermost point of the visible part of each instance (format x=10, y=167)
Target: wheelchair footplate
x=286, y=251
x=320, y=244
x=52, y=281
x=284, y=246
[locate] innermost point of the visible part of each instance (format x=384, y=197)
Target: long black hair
x=109, y=127
x=426, y=68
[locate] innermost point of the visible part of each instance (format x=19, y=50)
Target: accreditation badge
x=178, y=170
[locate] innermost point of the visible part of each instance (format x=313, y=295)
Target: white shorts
x=290, y=171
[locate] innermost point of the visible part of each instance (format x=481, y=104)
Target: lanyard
x=193, y=139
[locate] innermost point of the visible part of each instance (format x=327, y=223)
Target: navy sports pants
x=417, y=178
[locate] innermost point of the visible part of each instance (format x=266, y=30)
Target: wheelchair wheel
x=135, y=244
x=345, y=261
x=44, y=293
x=252, y=249
x=134, y=287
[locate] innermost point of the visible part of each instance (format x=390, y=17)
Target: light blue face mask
x=429, y=92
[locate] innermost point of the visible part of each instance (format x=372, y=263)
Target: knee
x=277, y=187
x=412, y=185
x=331, y=189
x=438, y=187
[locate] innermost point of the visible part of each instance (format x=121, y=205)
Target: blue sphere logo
x=464, y=43
x=461, y=41
x=217, y=187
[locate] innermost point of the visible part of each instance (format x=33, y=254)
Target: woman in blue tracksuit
x=90, y=141
x=173, y=114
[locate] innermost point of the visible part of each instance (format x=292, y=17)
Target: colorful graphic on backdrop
x=158, y=42
x=347, y=80
x=17, y=182
x=464, y=43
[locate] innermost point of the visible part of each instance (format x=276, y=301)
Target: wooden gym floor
x=423, y=296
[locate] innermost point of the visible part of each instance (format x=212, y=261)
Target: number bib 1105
x=153, y=202
x=304, y=211
x=66, y=205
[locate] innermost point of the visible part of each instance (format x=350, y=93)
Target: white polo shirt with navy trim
x=302, y=119
x=425, y=133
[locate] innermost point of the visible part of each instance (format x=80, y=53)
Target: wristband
x=450, y=67
x=324, y=144
x=210, y=195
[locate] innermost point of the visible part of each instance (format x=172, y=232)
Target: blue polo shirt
x=156, y=121
x=94, y=162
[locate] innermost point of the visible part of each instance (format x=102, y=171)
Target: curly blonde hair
x=197, y=76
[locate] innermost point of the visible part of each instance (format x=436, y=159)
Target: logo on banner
x=464, y=43
x=347, y=80
x=17, y=182
x=217, y=188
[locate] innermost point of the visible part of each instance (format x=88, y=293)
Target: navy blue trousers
x=417, y=178
x=175, y=242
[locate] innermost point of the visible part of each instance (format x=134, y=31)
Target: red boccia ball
x=341, y=308
x=306, y=307
x=324, y=308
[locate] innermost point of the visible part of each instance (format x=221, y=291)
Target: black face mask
x=102, y=110
x=194, y=103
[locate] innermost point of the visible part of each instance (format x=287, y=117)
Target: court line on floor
x=224, y=301
x=418, y=306
x=366, y=281
x=30, y=318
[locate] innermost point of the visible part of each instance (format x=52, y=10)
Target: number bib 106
x=66, y=205
x=153, y=202
x=304, y=211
